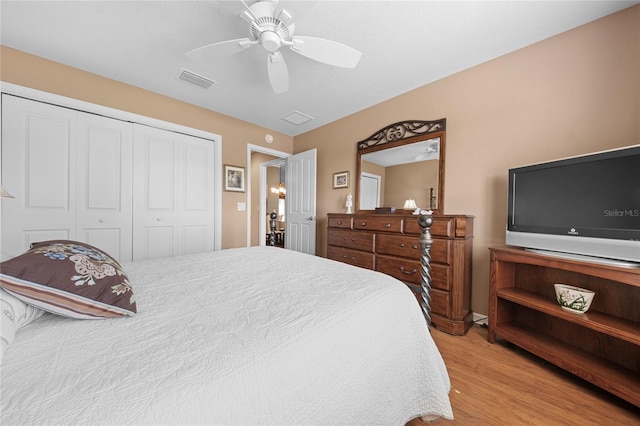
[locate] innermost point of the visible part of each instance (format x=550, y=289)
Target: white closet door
x=38, y=169
x=196, y=179
x=104, y=184
x=173, y=194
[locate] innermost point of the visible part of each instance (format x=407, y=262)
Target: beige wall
x=411, y=180
x=571, y=94
x=31, y=71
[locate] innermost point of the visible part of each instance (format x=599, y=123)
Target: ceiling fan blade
x=326, y=51
x=213, y=51
x=278, y=72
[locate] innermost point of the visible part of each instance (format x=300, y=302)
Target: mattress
x=256, y=335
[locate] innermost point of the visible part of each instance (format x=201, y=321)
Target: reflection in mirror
x=400, y=165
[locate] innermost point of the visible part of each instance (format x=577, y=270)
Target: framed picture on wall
x=341, y=180
x=234, y=178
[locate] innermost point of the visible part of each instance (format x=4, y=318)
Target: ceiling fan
x=268, y=27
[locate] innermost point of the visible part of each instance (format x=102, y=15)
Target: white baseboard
x=480, y=319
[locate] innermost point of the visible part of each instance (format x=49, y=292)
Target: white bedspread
x=243, y=336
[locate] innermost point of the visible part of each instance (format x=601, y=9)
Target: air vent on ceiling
x=297, y=118
x=193, y=78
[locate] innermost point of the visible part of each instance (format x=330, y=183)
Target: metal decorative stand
x=272, y=225
x=425, y=221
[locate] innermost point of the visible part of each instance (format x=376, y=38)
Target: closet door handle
x=101, y=220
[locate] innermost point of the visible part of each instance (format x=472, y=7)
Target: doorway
x=259, y=158
x=273, y=178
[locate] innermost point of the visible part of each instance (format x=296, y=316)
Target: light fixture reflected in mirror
x=280, y=190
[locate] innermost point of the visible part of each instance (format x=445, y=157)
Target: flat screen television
x=585, y=206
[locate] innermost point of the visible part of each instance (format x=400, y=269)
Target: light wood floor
x=500, y=384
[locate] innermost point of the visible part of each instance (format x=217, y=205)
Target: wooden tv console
x=601, y=346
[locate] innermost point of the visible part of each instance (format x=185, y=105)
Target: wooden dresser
x=389, y=243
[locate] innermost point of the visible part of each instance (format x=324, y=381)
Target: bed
x=257, y=335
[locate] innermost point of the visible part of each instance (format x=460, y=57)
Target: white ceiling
x=404, y=45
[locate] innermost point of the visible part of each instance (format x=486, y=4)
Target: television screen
x=593, y=198
x=589, y=201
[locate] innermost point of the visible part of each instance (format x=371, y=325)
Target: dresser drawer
x=343, y=221
x=352, y=257
x=441, y=251
x=442, y=226
x=440, y=277
x=409, y=271
x=402, y=269
x=440, y=302
x=371, y=223
x=409, y=246
x=351, y=239
x=398, y=245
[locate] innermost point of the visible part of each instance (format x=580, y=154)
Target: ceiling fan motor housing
x=270, y=32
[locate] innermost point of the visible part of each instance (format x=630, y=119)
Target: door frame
x=251, y=148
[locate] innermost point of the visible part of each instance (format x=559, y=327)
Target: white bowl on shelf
x=574, y=299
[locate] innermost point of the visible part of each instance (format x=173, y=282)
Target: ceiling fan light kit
x=268, y=28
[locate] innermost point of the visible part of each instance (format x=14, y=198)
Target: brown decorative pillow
x=71, y=279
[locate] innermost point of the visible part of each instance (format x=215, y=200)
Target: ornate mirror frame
x=401, y=134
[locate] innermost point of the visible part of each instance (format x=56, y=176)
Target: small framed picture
x=341, y=180
x=233, y=178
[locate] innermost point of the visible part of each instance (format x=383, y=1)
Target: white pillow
x=15, y=314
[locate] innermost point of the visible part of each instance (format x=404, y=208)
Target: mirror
x=403, y=161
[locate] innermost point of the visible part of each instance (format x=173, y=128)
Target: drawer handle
x=415, y=246
x=353, y=240
x=413, y=271
x=402, y=245
x=339, y=222
x=363, y=224
x=387, y=225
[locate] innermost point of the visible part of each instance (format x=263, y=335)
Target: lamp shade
x=4, y=194
x=410, y=204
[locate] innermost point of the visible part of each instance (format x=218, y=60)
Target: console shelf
x=601, y=346
x=616, y=327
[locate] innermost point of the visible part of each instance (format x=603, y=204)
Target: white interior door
x=196, y=180
x=71, y=173
x=155, y=216
x=104, y=177
x=173, y=182
x=369, y=191
x=301, y=202
x=38, y=169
